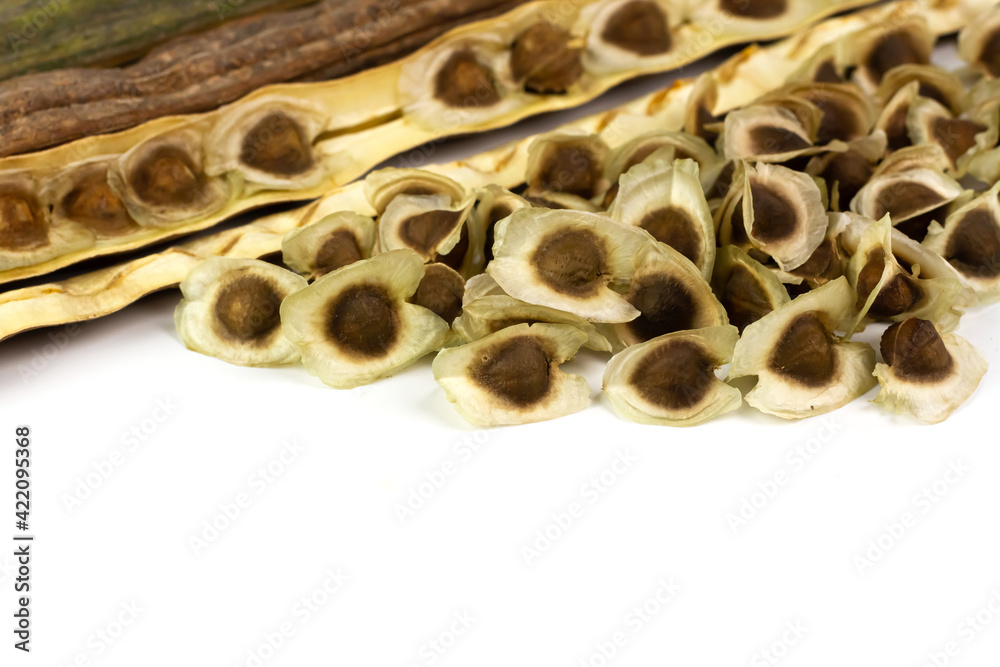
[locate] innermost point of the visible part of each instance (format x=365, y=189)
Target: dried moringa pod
x=670, y=380
x=745, y=287
x=493, y=204
x=928, y=122
x=970, y=241
x=328, y=244
x=27, y=236
x=441, y=291
x=569, y=163
x=803, y=367
x=230, y=310
x=485, y=315
x=354, y=326
x=670, y=294
x=889, y=290
x=625, y=34
x=81, y=194
x=667, y=201
x=979, y=43
x=783, y=213
x=567, y=260
x=926, y=374
x=269, y=141
x=513, y=376
x=163, y=183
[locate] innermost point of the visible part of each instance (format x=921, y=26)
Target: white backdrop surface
x=188, y=512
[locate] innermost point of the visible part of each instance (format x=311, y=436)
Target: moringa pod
x=488, y=314
x=889, y=290
x=970, y=241
x=670, y=380
x=230, y=310
x=354, y=326
x=513, y=376
x=979, y=43
x=567, y=260
x=803, y=368
x=328, y=244
x=783, y=213
x=926, y=374
x=745, y=287
x=670, y=294
x=666, y=199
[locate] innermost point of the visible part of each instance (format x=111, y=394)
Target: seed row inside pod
x=172, y=176
x=642, y=235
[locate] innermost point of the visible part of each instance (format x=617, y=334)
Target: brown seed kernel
x=673, y=226
x=851, y=171
x=773, y=218
x=772, y=140
x=895, y=128
x=956, y=135
x=916, y=227
x=974, y=245
x=93, y=204
x=497, y=213
x=516, y=371
x=823, y=264
x=167, y=176
x=804, y=352
x=424, y=231
x=441, y=291
x=247, y=309
x=572, y=169
x=754, y=9
x=990, y=54
x=22, y=224
x=838, y=120
x=640, y=27
x=665, y=305
x=897, y=296
x=339, y=249
x=915, y=351
x=675, y=375
x=869, y=275
x=363, y=320
x=902, y=198
x=894, y=49
x=277, y=145
x=465, y=82
x=542, y=58
x=573, y=262
x=827, y=73
x=744, y=298
x=929, y=90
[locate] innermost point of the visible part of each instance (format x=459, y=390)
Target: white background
x=800, y=560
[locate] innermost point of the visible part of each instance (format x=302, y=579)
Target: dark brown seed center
x=339, y=249
x=672, y=225
x=744, y=298
x=904, y=199
x=675, y=375
x=542, y=58
x=364, y=320
x=805, y=352
x=823, y=264
x=572, y=169
x=247, y=309
x=277, y=145
x=464, y=82
x=497, y=213
x=774, y=217
x=955, y=135
x=573, y=262
x=640, y=27
x=894, y=49
x=22, y=224
x=754, y=9
x=167, y=177
x=771, y=140
x=850, y=171
x=425, y=231
x=915, y=351
x=665, y=305
x=990, y=54
x=516, y=370
x=974, y=245
x=441, y=291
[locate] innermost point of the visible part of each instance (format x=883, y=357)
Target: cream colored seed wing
x=296, y=141
x=736, y=82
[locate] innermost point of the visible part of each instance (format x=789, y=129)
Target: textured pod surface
x=513, y=376
x=670, y=380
